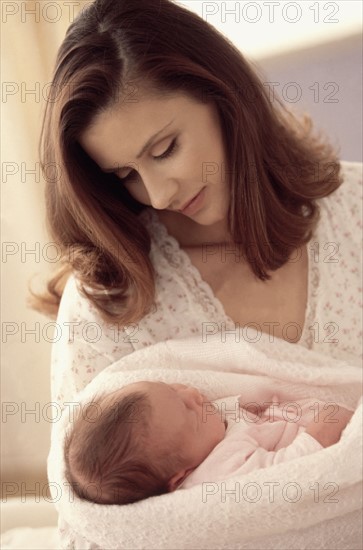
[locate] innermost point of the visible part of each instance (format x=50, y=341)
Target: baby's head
x=140, y=441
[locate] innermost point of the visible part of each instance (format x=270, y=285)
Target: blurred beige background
x=325, y=66
x=29, y=46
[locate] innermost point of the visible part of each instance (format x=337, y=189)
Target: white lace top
x=333, y=321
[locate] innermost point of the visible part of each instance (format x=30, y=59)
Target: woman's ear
x=178, y=478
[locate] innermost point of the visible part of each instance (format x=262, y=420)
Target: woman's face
x=165, y=152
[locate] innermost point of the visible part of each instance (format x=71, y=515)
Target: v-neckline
x=217, y=304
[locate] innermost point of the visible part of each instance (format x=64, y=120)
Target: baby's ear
x=178, y=478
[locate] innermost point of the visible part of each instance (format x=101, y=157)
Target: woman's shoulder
x=352, y=169
x=73, y=302
x=342, y=209
x=350, y=190
x=73, y=298
x=352, y=179
x=340, y=225
x=336, y=268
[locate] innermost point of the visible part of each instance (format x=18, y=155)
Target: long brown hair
x=277, y=167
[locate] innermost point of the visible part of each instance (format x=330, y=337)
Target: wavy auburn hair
x=277, y=168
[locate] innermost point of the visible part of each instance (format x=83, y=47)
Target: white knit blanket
x=310, y=502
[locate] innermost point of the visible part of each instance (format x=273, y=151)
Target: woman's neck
x=191, y=234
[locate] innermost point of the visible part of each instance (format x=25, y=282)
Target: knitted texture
x=295, y=495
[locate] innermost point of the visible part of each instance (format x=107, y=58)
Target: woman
x=224, y=219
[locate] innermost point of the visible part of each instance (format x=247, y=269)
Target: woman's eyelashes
x=168, y=152
x=171, y=149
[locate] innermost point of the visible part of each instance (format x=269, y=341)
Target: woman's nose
x=161, y=192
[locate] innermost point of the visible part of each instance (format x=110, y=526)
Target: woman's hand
x=328, y=426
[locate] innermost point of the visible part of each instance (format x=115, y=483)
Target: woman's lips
x=195, y=204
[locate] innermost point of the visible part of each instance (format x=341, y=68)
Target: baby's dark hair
x=109, y=454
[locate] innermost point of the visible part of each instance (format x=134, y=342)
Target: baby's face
x=183, y=417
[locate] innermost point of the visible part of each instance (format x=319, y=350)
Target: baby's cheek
x=218, y=427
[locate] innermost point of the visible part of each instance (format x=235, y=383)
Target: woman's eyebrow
x=147, y=144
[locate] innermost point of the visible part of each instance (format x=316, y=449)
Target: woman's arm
x=86, y=345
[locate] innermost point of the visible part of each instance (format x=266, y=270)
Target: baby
x=150, y=438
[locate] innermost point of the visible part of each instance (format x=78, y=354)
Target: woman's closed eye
x=170, y=150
